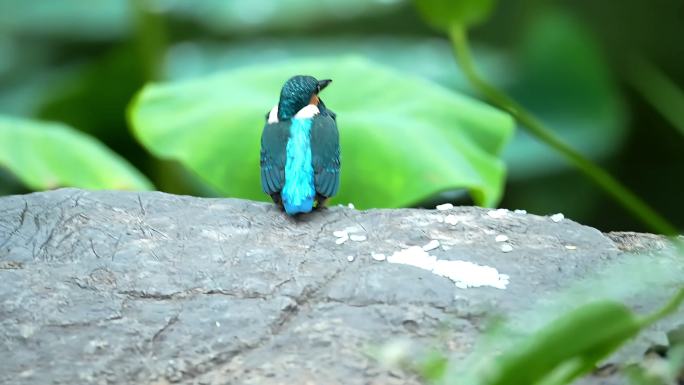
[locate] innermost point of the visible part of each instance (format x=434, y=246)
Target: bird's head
x=298, y=92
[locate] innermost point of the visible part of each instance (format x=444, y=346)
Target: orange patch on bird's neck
x=314, y=100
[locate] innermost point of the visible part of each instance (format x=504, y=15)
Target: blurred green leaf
x=568, y=347
x=114, y=19
x=676, y=336
x=244, y=16
x=94, y=98
x=197, y=58
x=642, y=281
x=419, y=137
x=27, y=74
x=103, y=20
x=444, y=14
x=659, y=91
x=49, y=155
x=434, y=366
x=564, y=80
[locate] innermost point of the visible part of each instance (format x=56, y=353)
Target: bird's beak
x=323, y=83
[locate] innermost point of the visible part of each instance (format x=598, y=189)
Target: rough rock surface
x=152, y=288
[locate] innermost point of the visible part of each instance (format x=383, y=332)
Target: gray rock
x=152, y=288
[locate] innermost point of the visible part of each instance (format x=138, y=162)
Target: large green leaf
x=198, y=58
x=49, y=155
x=402, y=138
x=557, y=71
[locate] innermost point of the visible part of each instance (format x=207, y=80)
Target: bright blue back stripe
x=299, y=192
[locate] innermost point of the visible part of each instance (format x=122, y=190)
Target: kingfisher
x=300, y=148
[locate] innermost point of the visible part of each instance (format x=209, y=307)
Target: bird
x=300, y=148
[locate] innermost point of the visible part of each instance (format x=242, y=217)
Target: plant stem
x=150, y=38
x=602, y=178
x=658, y=90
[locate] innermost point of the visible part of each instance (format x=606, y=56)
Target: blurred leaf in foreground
x=568, y=347
x=403, y=139
x=536, y=346
x=49, y=155
x=573, y=344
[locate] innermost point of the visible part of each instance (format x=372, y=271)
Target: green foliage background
x=413, y=132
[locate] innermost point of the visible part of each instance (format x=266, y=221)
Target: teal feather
x=325, y=149
x=273, y=156
x=298, y=193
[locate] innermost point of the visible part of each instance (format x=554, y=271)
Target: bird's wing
x=324, y=110
x=325, y=153
x=273, y=156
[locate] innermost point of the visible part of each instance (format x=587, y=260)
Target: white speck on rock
x=506, y=248
x=378, y=256
x=445, y=206
x=501, y=238
x=26, y=331
x=467, y=274
x=357, y=238
x=464, y=274
x=557, y=217
x=218, y=324
x=571, y=247
x=350, y=258
x=342, y=236
x=433, y=244
x=414, y=256
x=497, y=214
x=523, y=212
x=451, y=219
x=351, y=205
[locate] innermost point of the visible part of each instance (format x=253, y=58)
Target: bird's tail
x=298, y=193
x=302, y=206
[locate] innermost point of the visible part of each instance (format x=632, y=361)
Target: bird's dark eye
x=318, y=88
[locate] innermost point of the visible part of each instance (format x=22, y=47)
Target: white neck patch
x=308, y=112
x=273, y=115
